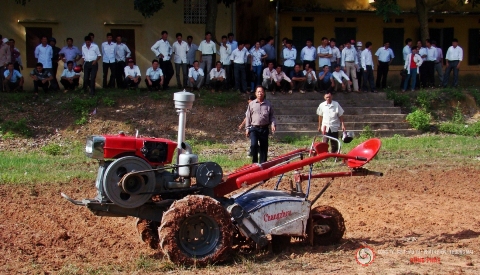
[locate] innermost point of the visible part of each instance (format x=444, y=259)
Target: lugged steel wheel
x=196, y=230
x=326, y=231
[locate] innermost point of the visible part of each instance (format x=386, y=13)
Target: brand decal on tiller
x=277, y=216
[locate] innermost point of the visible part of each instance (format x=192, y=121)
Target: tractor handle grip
x=361, y=158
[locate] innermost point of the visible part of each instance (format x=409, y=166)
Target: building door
x=300, y=36
x=443, y=37
x=473, y=47
x=395, y=37
x=128, y=37
x=343, y=35
x=33, y=36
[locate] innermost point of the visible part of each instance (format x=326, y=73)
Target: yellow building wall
x=77, y=18
x=370, y=28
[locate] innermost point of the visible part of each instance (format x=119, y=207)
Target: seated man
x=13, y=79
x=268, y=82
x=132, y=75
x=298, y=79
x=311, y=78
x=340, y=79
x=41, y=78
x=195, y=76
x=325, y=79
x=69, y=78
x=217, y=77
x=154, y=77
x=282, y=81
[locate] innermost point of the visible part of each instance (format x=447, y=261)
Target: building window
x=394, y=36
x=308, y=19
x=338, y=19
x=399, y=20
x=351, y=20
x=296, y=18
x=194, y=11
x=33, y=37
x=474, y=48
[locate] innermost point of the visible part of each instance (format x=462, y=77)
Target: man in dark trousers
x=163, y=51
x=259, y=118
x=330, y=119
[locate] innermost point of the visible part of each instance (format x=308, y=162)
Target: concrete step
x=348, y=125
x=378, y=133
x=319, y=96
x=345, y=103
x=347, y=118
x=348, y=111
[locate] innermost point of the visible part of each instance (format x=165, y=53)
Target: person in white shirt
x=122, y=52
x=385, y=56
x=324, y=53
x=195, y=76
x=44, y=53
x=359, y=65
x=108, y=56
x=90, y=56
x=154, y=77
x=239, y=57
x=454, y=57
x=413, y=63
x=422, y=51
x=308, y=54
x=310, y=78
x=330, y=119
x=336, y=55
x=341, y=80
x=429, y=64
x=289, y=57
x=132, y=74
x=439, y=62
x=217, y=77
x=406, y=50
x=268, y=81
x=282, y=81
x=225, y=51
x=257, y=55
x=367, y=65
x=69, y=78
x=208, y=49
x=193, y=48
x=180, y=51
x=350, y=64
x=163, y=51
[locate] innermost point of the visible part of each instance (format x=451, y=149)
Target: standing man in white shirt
x=367, y=65
x=225, y=51
x=385, y=56
x=90, y=55
x=289, y=57
x=454, y=57
x=406, y=50
x=341, y=80
x=430, y=64
x=132, y=75
x=239, y=57
x=422, y=51
x=5, y=58
x=180, y=51
x=195, y=76
x=163, y=51
x=208, y=49
x=154, y=77
x=324, y=53
x=108, y=58
x=44, y=54
x=217, y=77
x=350, y=64
x=308, y=54
x=122, y=52
x=439, y=62
x=330, y=119
x=336, y=55
x=193, y=48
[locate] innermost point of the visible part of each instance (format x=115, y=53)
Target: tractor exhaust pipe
x=183, y=102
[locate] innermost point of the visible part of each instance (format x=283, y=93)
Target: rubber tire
x=336, y=224
x=189, y=206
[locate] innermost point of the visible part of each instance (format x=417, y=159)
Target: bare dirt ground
x=422, y=214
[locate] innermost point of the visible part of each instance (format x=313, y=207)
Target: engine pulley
x=209, y=174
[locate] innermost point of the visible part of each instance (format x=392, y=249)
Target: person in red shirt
x=413, y=61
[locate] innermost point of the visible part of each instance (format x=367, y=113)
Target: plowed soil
x=406, y=217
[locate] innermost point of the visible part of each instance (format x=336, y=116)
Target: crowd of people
x=241, y=65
